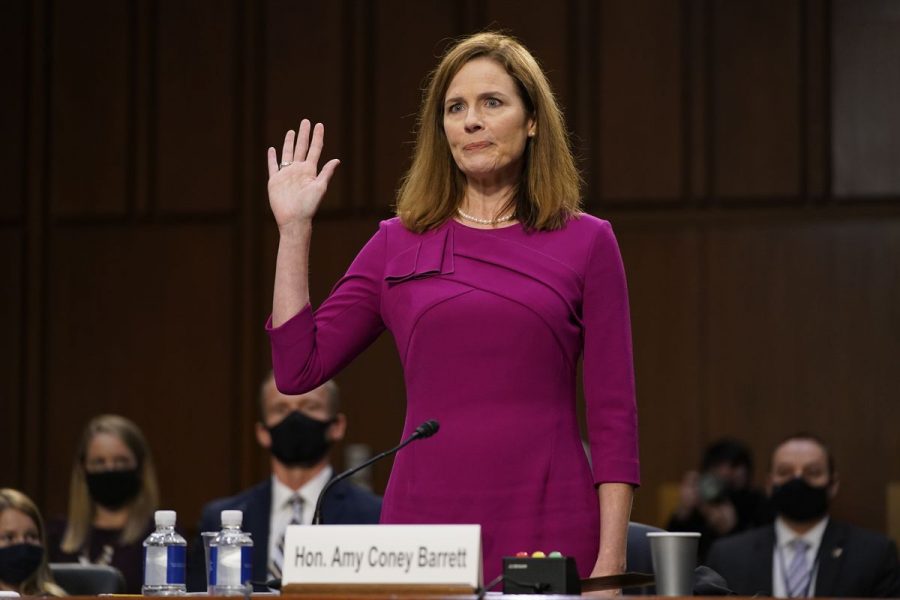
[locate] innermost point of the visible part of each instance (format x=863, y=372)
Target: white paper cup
x=674, y=559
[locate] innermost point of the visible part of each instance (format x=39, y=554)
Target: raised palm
x=296, y=186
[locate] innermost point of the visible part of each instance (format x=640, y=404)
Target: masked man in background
x=298, y=431
x=806, y=553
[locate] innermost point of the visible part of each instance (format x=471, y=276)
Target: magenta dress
x=489, y=325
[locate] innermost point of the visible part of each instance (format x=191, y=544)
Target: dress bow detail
x=431, y=256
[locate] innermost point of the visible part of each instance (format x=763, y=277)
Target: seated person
x=297, y=431
x=112, y=498
x=720, y=500
x=806, y=553
x=23, y=561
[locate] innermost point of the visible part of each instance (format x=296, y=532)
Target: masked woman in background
x=112, y=498
x=23, y=562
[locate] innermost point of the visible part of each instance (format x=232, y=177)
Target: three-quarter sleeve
x=608, y=365
x=313, y=346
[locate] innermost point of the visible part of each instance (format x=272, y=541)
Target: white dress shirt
x=784, y=554
x=281, y=511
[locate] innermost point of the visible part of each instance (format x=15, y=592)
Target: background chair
x=88, y=580
x=637, y=556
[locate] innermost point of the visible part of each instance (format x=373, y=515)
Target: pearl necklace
x=508, y=217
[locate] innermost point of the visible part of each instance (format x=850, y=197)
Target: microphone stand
x=426, y=429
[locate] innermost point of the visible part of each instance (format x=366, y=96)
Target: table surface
x=417, y=596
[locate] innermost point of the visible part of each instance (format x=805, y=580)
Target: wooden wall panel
x=13, y=38
x=665, y=287
x=196, y=74
x=91, y=84
x=803, y=330
x=639, y=122
x=816, y=174
x=756, y=98
x=141, y=323
x=11, y=345
x=403, y=57
x=307, y=47
x=866, y=94
x=697, y=78
x=543, y=27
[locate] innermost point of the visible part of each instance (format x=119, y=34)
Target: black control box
x=541, y=576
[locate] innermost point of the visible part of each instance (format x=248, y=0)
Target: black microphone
x=426, y=429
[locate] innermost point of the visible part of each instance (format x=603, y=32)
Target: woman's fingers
x=303, y=147
x=315, y=147
x=287, y=151
x=302, y=140
x=328, y=170
x=272, y=161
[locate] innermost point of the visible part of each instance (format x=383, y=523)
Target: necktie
x=276, y=561
x=798, y=572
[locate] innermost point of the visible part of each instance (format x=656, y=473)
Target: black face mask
x=114, y=489
x=300, y=440
x=19, y=562
x=799, y=501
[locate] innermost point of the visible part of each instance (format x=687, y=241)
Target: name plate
x=383, y=554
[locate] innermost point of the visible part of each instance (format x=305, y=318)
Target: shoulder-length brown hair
x=41, y=581
x=550, y=189
x=81, y=506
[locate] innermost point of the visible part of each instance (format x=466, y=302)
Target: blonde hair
x=41, y=581
x=81, y=506
x=550, y=190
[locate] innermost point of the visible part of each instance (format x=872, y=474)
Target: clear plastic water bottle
x=164, y=558
x=231, y=558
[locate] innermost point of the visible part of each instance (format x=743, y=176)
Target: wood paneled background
x=746, y=152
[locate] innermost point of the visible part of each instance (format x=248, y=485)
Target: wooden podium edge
x=399, y=589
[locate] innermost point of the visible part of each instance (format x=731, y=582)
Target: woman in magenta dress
x=493, y=284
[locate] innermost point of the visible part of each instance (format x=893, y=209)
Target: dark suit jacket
x=853, y=562
x=346, y=503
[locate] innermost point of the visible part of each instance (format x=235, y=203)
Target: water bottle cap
x=232, y=518
x=164, y=518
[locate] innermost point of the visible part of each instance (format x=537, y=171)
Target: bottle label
x=177, y=564
x=230, y=565
x=164, y=565
x=213, y=565
x=246, y=564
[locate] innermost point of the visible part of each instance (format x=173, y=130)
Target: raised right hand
x=296, y=186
